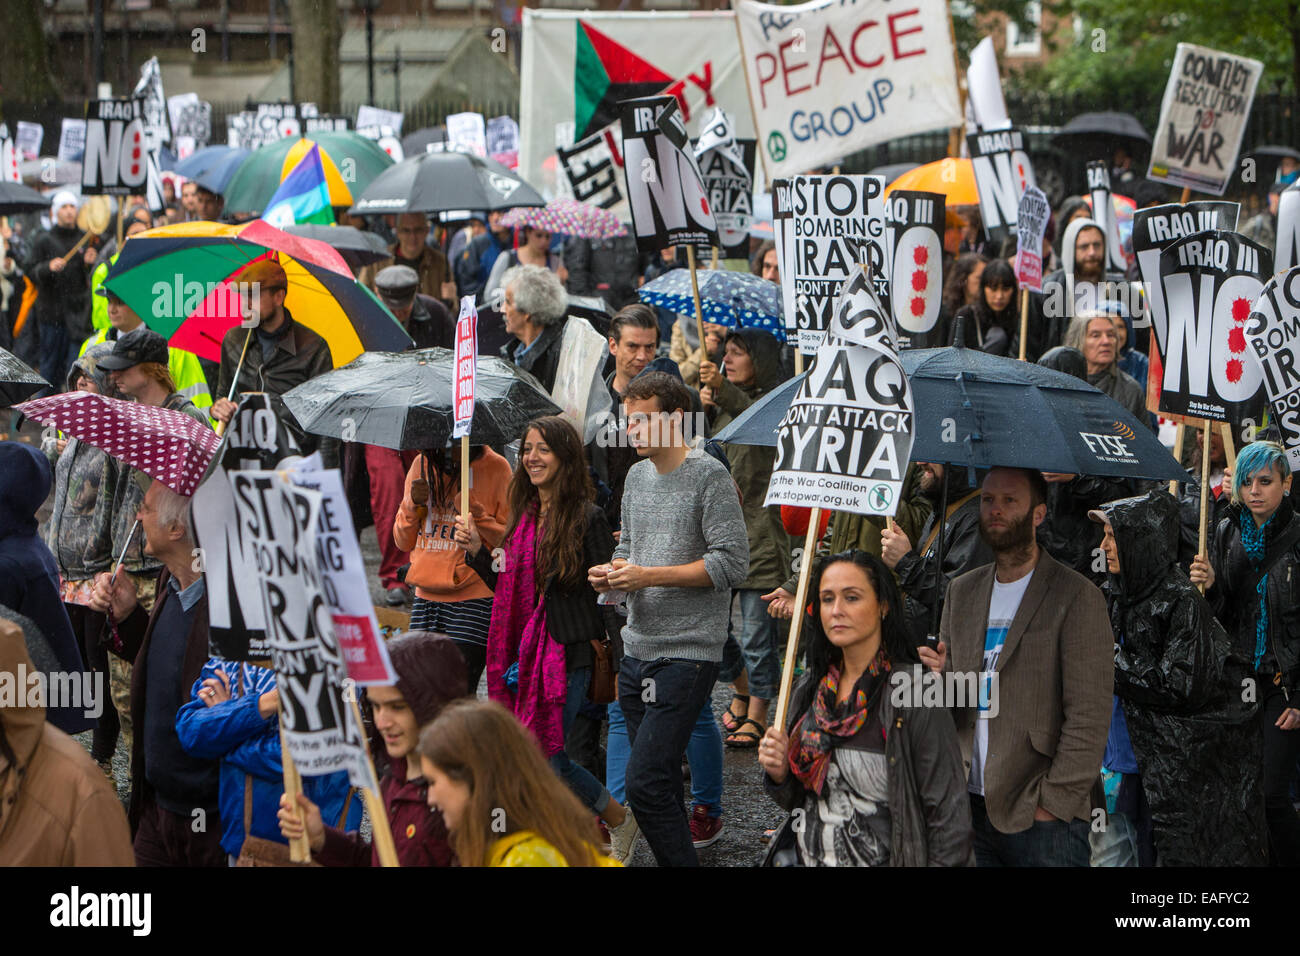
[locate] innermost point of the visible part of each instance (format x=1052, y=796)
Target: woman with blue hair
x=1254, y=587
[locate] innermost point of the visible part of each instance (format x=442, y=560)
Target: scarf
x=1252, y=539
x=812, y=741
x=518, y=633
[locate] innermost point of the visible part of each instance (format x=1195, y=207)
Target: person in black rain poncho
x=1179, y=692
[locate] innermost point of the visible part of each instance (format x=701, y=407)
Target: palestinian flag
x=605, y=72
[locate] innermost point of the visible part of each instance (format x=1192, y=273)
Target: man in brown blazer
x=1038, y=635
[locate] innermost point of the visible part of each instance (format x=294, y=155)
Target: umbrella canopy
x=1124, y=125
x=594, y=309
x=727, y=298
x=569, y=218
x=178, y=280
x=404, y=401
x=212, y=166
x=16, y=198
x=1276, y=152
x=357, y=247
x=418, y=142
x=892, y=171
x=436, y=182
x=1006, y=412
x=164, y=444
x=254, y=183
x=954, y=178
x=17, y=380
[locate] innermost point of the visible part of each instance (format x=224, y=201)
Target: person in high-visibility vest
x=184, y=366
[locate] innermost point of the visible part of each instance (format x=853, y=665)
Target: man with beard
x=963, y=548
x=1081, y=283
x=1038, y=636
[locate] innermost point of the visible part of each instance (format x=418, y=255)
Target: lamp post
x=370, y=6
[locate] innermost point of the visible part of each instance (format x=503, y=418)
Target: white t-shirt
x=1003, y=605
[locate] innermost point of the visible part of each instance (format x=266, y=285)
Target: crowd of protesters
x=614, y=583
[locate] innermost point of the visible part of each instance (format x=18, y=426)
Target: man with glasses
x=413, y=251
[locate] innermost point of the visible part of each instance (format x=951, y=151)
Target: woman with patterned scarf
x=544, y=612
x=868, y=782
x=1253, y=579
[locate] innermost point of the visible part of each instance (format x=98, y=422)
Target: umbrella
x=177, y=278
x=418, y=142
x=357, y=247
x=569, y=217
x=1276, y=152
x=1005, y=412
x=434, y=182
x=404, y=401
x=17, y=380
x=954, y=178
x=255, y=182
x=728, y=298
x=212, y=166
x=16, y=198
x=1123, y=125
x=594, y=309
x=892, y=171
x=164, y=444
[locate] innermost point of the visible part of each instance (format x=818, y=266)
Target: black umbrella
x=403, y=400
x=418, y=142
x=1275, y=152
x=435, y=182
x=16, y=198
x=1124, y=125
x=18, y=381
x=356, y=246
x=594, y=309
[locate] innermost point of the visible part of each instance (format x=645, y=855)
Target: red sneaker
x=705, y=829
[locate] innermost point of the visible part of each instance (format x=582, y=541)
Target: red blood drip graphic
x=920, y=255
x=1234, y=370
x=918, y=306
x=1240, y=312
x=1237, y=340
x=704, y=204
x=919, y=280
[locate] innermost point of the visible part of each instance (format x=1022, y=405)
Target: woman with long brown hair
x=502, y=804
x=544, y=611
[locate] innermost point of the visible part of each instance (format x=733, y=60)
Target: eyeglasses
x=413, y=232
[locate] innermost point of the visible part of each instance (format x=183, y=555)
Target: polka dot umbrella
x=568, y=217
x=734, y=299
x=164, y=444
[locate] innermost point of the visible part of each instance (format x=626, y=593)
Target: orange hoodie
x=438, y=569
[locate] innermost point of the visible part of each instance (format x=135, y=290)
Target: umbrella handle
x=234, y=381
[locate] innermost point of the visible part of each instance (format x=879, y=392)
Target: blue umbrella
x=212, y=166
x=979, y=410
x=734, y=299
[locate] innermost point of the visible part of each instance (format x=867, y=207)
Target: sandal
x=745, y=739
x=731, y=720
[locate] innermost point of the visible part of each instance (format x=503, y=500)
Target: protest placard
x=462, y=397
x=8, y=157
x=1002, y=174
x=325, y=123
x=727, y=166
x=590, y=172
x=1273, y=332
x=846, y=438
x=190, y=117
x=115, y=147
x=986, y=108
x=783, y=238
x=1209, y=281
x=368, y=116
x=72, y=140
x=320, y=730
x=838, y=225
x=1202, y=118
x=914, y=238
x=153, y=105
x=503, y=140
x=828, y=78
x=1103, y=211
x=343, y=577
x=27, y=139
x=467, y=133
x=1287, y=252
x=1031, y=223
x=665, y=190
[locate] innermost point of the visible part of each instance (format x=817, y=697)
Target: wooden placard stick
x=1205, y=492
x=796, y=622
x=299, y=849
x=380, y=830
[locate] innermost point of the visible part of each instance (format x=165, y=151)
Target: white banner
x=985, y=104
x=846, y=438
x=831, y=77
x=1202, y=118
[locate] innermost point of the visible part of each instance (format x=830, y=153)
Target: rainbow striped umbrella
x=568, y=217
x=180, y=280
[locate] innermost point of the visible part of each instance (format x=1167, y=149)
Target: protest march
x=761, y=436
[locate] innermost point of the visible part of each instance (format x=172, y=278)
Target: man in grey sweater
x=683, y=548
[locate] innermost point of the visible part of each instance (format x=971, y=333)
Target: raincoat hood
x=25, y=480
x=1146, y=534
x=765, y=351
x=89, y=365
x=1062, y=358
x=1071, y=235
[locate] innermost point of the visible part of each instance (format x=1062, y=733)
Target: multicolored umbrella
x=954, y=178
x=569, y=217
x=179, y=280
x=727, y=298
x=17, y=379
x=255, y=182
x=164, y=444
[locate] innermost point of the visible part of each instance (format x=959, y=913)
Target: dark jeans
x=88, y=626
x=169, y=839
x=1046, y=843
x=579, y=779
x=57, y=353
x=1280, y=750
x=661, y=701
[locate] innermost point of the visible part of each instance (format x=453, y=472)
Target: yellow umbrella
x=955, y=178
x=340, y=195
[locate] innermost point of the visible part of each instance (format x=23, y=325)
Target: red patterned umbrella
x=569, y=218
x=164, y=444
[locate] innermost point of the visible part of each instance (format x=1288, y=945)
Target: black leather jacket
x=964, y=551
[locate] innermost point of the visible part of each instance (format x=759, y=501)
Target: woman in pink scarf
x=544, y=612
